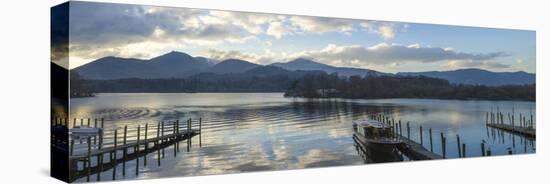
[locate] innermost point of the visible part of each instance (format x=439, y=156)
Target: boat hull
x=377, y=152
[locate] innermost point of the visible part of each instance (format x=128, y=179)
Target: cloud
x=490, y=65
x=384, y=53
x=386, y=30
x=278, y=30
x=322, y=24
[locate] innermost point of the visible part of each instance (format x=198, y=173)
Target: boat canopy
x=370, y=123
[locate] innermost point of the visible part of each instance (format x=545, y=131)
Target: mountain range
x=181, y=65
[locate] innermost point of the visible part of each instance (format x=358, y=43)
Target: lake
x=265, y=131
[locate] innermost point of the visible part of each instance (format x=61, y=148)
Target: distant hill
x=309, y=65
x=478, y=76
x=170, y=65
x=181, y=65
x=232, y=66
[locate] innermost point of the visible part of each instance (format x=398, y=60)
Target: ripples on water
x=264, y=131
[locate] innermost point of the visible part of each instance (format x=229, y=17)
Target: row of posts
x=396, y=130
x=159, y=142
x=498, y=118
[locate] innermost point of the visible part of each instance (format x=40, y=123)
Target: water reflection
x=264, y=131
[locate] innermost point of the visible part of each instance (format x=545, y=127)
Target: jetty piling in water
x=92, y=158
x=525, y=128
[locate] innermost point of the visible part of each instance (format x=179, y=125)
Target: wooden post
x=177, y=135
x=89, y=160
x=100, y=166
x=188, y=138
x=81, y=122
x=146, y=147
x=431, y=143
x=200, y=131
x=489, y=152
x=482, y=149
x=74, y=122
x=162, y=135
x=443, y=142
x=102, y=123
x=421, y=138
x=88, y=125
x=95, y=126
x=124, y=151
x=136, y=151
x=408, y=131
x=487, y=118
x=174, y=137
x=400, y=132
x=114, y=157
x=464, y=150
x=458, y=145
x=158, y=145
x=72, y=147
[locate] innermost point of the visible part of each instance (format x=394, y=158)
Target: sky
x=98, y=30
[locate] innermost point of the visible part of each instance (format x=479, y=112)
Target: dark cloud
x=386, y=53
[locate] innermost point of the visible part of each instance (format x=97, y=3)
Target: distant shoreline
x=316, y=98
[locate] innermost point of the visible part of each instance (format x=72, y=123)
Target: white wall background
x=24, y=64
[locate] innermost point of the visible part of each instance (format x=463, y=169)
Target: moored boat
x=378, y=141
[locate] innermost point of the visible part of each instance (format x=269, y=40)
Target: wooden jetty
x=526, y=131
x=95, y=161
x=415, y=151
x=525, y=126
x=423, y=149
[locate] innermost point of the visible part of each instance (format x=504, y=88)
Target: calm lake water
x=265, y=131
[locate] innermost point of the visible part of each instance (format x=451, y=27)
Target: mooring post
x=487, y=118
x=95, y=126
x=162, y=135
x=178, y=135
x=100, y=166
x=72, y=147
x=482, y=149
x=114, y=157
x=188, y=138
x=157, y=144
x=488, y=152
x=136, y=150
x=443, y=142
x=74, y=122
x=88, y=124
x=431, y=143
x=421, y=138
x=174, y=137
x=146, y=146
x=124, y=151
x=89, y=160
x=458, y=145
x=81, y=122
x=408, y=131
x=102, y=123
x=463, y=150
x=509, y=152
x=524, y=122
x=200, y=132
x=400, y=132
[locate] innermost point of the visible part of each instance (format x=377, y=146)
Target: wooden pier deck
x=87, y=161
x=416, y=151
x=525, y=131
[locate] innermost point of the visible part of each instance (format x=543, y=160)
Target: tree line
x=324, y=85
